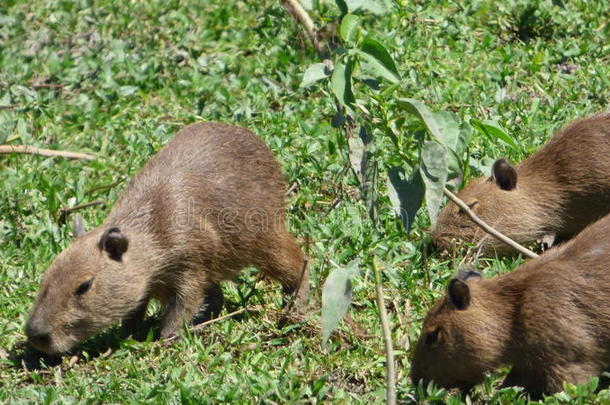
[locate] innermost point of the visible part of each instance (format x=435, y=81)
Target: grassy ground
x=117, y=79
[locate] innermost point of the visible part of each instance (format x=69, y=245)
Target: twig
x=292, y=187
x=65, y=211
x=387, y=337
x=206, y=323
x=220, y=318
x=31, y=150
x=294, y=8
x=8, y=106
x=488, y=228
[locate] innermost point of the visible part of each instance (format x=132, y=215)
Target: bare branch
x=206, y=323
x=294, y=8
x=387, y=338
x=31, y=150
x=292, y=188
x=65, y=211
x=525, y=251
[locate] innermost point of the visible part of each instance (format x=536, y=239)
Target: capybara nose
x=38, y=335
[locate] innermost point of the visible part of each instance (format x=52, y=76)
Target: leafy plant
x=423, y=157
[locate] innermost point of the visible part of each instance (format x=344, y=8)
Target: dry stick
x=65, y=211
x=206, y=323
x=488, y=228
x=81, y=206
x=295, y=9
x=220, y=318
x=387, y=338
x=293, y=187
x=30, y=150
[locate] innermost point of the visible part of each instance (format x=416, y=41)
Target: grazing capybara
x=549, y=320
x=210, y=203
x=554, y=193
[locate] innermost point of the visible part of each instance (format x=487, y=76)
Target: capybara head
x=456, y=345
x=89, y=286
x=499, y=201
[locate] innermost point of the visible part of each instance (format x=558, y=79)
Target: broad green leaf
x=406, y=195
x=7, y=124
x=374, y=6
x=341, y=82
x=356, y=156
x=377, y=60
x=454, y=170
x=314, y=73
x=463, y=139
x=443, y=125
x=336, y=297
x=387, y=92
x=23, y=131
x=434, y=173
x=370, y=190
x=365, y=169
x=492, y=130
x=348, y=29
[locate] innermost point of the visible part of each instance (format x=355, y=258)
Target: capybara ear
x=458, y=293
x=115, y=243
x=77, y=226
x=504, y=175
x=468, y=273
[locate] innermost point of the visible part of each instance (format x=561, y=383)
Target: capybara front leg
x=180, y=309
x=133, y=324
x=212, y=305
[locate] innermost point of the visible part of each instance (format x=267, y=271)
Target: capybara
x=208, y=204
x=554, y=193
x=549, y=320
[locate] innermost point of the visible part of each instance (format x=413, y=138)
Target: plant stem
x=387, y=338
x=295, y=9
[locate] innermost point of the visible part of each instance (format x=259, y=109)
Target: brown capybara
x=554, y=193
x=549, y=320
x=210, y=203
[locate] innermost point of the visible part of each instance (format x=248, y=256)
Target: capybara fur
x=555, y=192
x=549, y=320
x=208, y=204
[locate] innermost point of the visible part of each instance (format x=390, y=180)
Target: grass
x=117, y=79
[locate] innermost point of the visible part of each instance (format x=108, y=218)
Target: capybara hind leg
x=535, y=383
x=285, y=262
x=212, y=305
x=133, y=324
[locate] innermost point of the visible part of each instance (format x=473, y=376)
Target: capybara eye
x=432, y=337
x=84, y=287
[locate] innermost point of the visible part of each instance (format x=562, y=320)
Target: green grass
x=117, y=79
